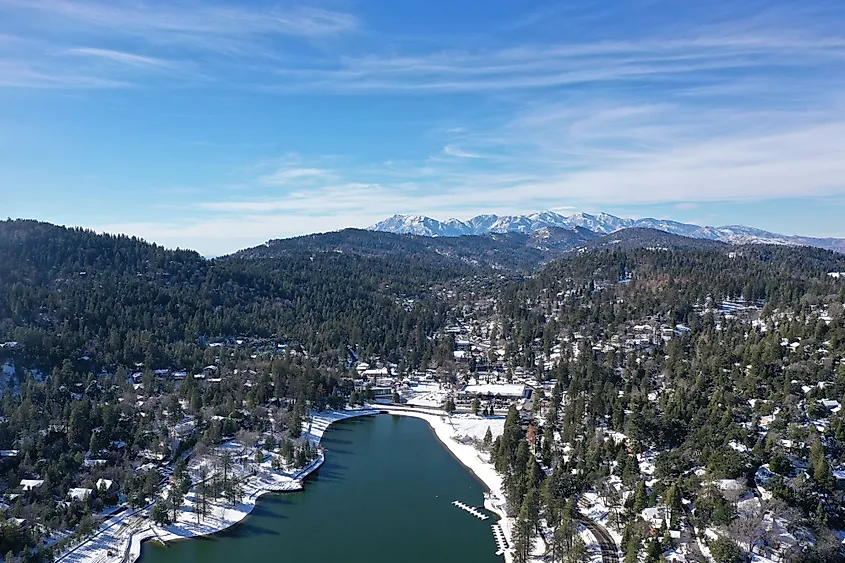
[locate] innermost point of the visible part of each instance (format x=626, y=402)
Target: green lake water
x=383, y=495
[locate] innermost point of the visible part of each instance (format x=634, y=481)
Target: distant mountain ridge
x=601, y=223
x=509, y=251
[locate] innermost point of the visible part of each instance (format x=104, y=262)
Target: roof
x=29, y=484
x=505, y=390
x=79, y=493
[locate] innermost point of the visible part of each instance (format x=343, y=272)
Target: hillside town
x=610, y=415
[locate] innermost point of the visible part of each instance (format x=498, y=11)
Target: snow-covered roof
x=655, y=515
x=502, y=390
x=79, y=493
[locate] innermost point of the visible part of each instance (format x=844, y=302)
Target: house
x=830, y=404
x=94, y=462
x=31, y=484
x=104, y=484
x=655, y=516
x=79, y=494
x=508, y=391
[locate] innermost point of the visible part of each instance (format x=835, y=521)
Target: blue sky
x=217, y=125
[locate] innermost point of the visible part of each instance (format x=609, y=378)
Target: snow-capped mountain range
x=602, y=223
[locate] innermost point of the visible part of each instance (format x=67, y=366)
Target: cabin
x=31, y=484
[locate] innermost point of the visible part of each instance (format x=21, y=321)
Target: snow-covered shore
x=121, y=539
x=449, y=430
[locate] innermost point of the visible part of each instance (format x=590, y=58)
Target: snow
x=593, y=548
x=601, y=223
x=79, y=493
x=450, y=430
x=730, y=485
x=593, y=507
x=502, y=390
x=433, y=399
x=741, y=448
x=124, y=534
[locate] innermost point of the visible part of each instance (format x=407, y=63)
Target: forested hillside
x=504, y=251
x=709, y=377
x=664, y=369
x=69, y=293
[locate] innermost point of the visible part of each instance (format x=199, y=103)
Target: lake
x=383, y=495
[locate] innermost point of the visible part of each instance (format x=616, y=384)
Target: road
x=609, y=552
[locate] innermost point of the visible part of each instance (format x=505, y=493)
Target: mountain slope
x=508, y=250
x=72, y=293
x=640, y=237
x=602, y=223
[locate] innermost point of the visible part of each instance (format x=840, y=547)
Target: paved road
x=609, y=552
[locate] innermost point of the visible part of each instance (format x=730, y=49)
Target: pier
x=499, y=536
x=470, y=509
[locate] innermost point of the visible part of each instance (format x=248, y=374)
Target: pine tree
x=523, y=536
x=175, y=499
x=674, y=502
x=160, y=514
x=640, y=497
x=488, y=438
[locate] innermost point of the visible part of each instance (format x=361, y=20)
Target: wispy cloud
x=202, y=40
x=287, y=176
x=452, y=150
x=798, y=161
x=588, y=156
x=554, y=65
x=194, y=18
x=680, y=115
x=119, y=57
x=235, y=39
x=14, y=74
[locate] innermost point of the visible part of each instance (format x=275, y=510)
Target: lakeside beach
x=459, y=434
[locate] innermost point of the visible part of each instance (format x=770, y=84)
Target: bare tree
x=247, y=437
x=749, y=527
x=201, y=494
x=224, y=462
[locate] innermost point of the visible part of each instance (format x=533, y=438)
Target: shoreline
x=468, y=456
x=128, y=547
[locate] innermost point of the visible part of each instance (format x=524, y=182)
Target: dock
x=470, y=509
x=499, y=536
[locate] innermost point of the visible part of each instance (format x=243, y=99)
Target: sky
x=218, y=125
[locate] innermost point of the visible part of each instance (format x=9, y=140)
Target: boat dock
x=501, y=542
x=470, y=509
